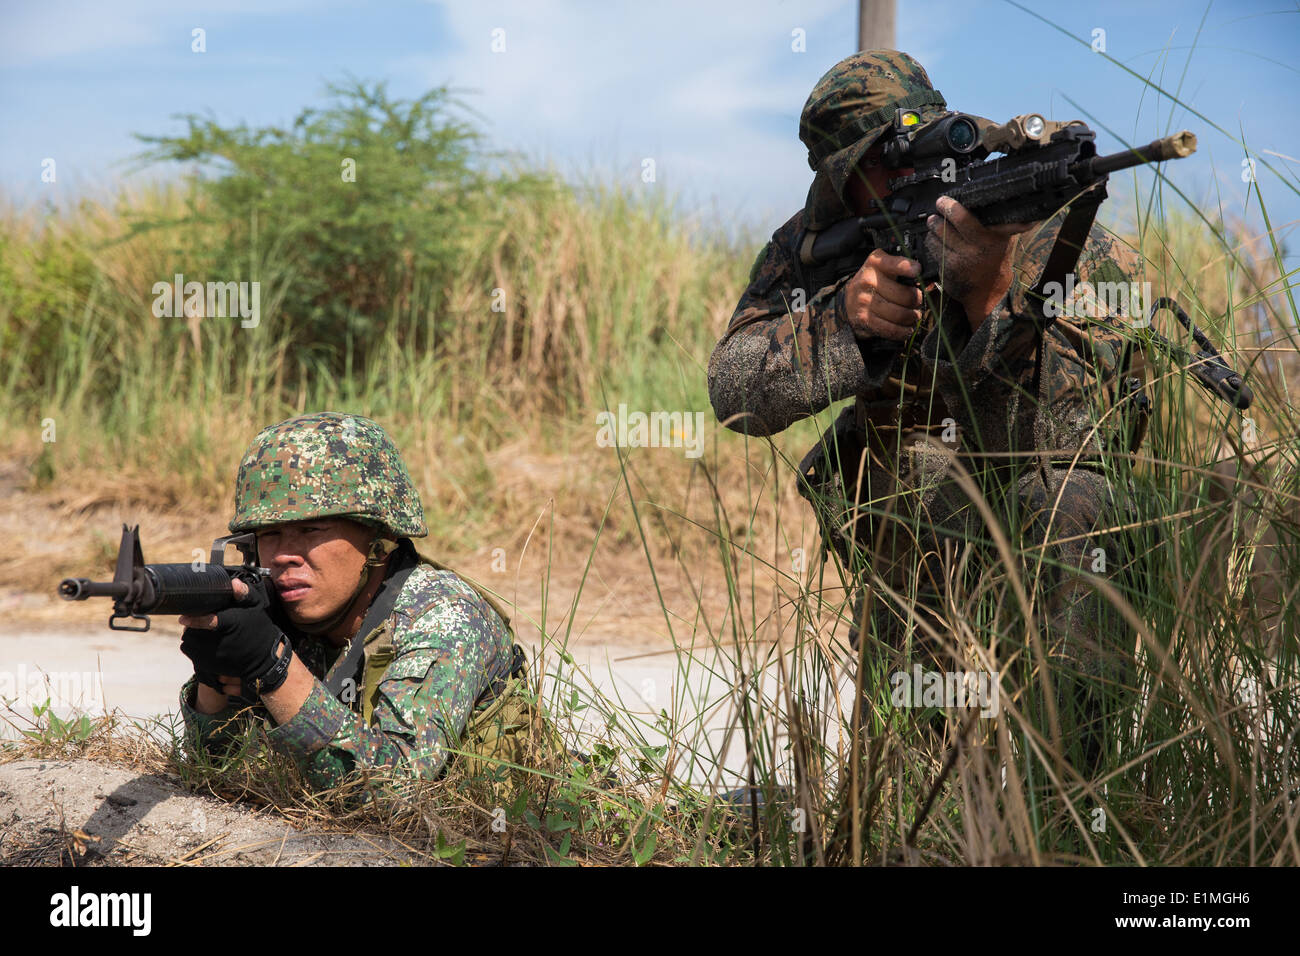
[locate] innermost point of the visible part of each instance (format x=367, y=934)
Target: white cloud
x=676, y=80
x=37, y=31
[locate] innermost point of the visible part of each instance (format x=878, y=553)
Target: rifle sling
x=1063, y=258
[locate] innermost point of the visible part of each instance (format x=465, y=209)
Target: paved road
x=140, y=674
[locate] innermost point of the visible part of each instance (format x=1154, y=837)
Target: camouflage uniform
x=953, y=389
x=442, y=658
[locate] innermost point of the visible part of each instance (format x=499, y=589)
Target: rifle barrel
x=78, y=589
x=1157, y=151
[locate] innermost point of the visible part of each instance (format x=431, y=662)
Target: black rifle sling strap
x=1067, y=249
x=1063, y=258
x=404, y=562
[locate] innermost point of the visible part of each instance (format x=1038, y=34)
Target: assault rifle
x=140, y=589
x=1047, y=167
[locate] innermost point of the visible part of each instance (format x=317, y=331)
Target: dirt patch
x=62, y=812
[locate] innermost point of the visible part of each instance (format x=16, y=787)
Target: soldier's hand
x=976, y=260
x=876, y=303
x=243, y=648
x=209, y=621
x=209, y=700
x=214, y=688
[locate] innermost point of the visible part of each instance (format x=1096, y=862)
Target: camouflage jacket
x=448, y=649
x=776, y=363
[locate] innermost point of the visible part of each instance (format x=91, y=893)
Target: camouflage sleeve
x=985, y=376
x=446, y=642
x=777, y=363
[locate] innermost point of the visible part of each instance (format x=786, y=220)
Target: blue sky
x=711, y=91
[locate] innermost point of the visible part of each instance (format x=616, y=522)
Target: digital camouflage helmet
x=323, y=466
x=846, y=114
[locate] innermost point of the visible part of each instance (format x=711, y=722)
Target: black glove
x=245, y=643
x=200, y=647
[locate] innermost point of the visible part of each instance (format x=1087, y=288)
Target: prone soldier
x=362, y=653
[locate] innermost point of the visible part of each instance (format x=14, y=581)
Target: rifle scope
x=951, y=135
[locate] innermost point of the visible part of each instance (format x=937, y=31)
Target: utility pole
x=876, y=24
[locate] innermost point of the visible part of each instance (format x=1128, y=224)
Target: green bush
x=356, y=205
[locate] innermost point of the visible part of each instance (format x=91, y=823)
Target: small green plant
x=444, y=849
x=50, y=730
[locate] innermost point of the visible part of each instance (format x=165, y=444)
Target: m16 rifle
x=1047, y=167
x=140, y=589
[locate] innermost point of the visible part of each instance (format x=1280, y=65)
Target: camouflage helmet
x=847, y=112
x=326, y=465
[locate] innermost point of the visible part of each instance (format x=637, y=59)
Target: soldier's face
x=870, y=181
x=315, y=565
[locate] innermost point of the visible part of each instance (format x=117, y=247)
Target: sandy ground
x=113, y=816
